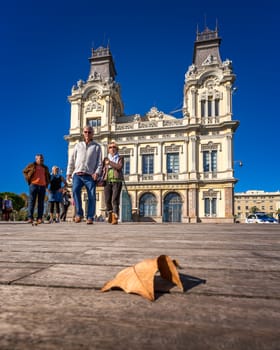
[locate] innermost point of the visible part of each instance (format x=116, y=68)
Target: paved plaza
x=51, y=276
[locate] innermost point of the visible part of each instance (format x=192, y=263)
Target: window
x=172, y=208
x=126, y=166
x=210, y=206
x=94, y=122
x=147, y=164
x=172, y=165
x=203, y=108
x=209, y=161
x=209, y=107
x=148, y=205
x=217, y=108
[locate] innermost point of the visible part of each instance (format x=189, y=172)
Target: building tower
x=208, y=105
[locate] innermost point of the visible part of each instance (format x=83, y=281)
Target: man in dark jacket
x=37, y=176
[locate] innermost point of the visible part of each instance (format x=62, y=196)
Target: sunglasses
x=112, y=147
x=87, y=132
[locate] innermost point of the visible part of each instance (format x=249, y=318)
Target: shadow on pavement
x=162, y=286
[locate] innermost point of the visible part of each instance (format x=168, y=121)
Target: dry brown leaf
x=139, y=278
x=168, y=270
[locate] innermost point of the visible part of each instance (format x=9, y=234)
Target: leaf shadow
x=162, y=286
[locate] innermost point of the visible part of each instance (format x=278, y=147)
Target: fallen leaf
x=139, y=279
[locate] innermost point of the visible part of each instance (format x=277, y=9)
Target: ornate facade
x=176, y=169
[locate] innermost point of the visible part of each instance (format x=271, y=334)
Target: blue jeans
x=78, y=182
x=36, y=192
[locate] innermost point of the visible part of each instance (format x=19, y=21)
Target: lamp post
x=239, y=162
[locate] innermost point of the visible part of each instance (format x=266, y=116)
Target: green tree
x=278, y=214
x=254, y=209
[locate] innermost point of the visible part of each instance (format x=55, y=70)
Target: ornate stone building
x=176, y=169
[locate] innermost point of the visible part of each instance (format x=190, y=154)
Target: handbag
x=101, y=183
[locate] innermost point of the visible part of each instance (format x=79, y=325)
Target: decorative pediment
x=126, y=151
x=172, y=148
x=154, y=113
x=92, y=102
x=210, y=146
x=210, y=194
x=147, y=150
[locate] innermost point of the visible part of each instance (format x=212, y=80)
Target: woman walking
x=113, y=176
x=55, y=193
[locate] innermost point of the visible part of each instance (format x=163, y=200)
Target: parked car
x=260, y=218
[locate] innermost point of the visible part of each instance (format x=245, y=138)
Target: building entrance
x=172, y=208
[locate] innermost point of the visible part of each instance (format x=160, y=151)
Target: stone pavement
x=51, y=276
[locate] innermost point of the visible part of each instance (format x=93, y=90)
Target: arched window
x=172, y=208
x=148, y=205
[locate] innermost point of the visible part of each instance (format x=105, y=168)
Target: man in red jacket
x=38, y=177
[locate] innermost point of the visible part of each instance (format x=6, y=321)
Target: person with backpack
x=7, y=208
x=57, y=183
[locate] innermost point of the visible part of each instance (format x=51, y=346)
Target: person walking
x=113, y=176
x=66, y=197
x=1, y=207
x=84, y=168
x=37, y=176
x=57, y=183
x=7, y=208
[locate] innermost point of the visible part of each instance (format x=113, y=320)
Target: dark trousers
x=6, y=214
x=64, y=211
x=36, y=192
x=112, y=193
x=56, y=205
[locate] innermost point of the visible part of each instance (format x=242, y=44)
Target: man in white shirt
x=84, y=167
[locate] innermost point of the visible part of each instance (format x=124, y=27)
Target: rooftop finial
x=104, y=36
x=205, y=21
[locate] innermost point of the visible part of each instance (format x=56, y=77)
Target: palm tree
x=254, y=209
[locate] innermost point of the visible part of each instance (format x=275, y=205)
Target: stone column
x=192, y=203
x=229, y=151
x=229, y=202
x=193, y=154
x=228, y=99
x=135, y=170
x=160, y=155
x=193, y=103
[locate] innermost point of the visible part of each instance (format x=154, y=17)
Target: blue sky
x=45, y=48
